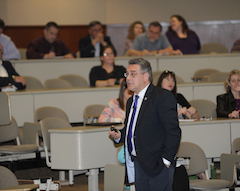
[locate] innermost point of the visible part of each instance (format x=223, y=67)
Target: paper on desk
x=9, y=89
x=185, y=120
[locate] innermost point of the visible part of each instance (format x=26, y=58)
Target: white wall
x=81, y=12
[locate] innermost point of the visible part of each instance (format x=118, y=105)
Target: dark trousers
x=161, y=182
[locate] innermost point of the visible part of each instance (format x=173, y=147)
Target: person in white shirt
x=10, y=51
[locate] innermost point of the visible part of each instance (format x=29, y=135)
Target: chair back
x=44, y=112
x=203, y=74
x=75, y=80
x=236, y=146
x=5, y=111
x=218, y=77
x=9, y=132
x=57, y=83
x=92, y=112
x=7, y=178
x=204, y=107
x=198, y=161
x=114, y=176
x=213, y=48
x=23, y=52
x=33, y=83
x=51, y=123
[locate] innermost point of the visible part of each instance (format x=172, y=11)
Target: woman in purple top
x=183, y=40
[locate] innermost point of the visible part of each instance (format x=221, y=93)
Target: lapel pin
x=145, y=98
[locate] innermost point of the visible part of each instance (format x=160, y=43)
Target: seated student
x=116, y=108
x=48, y=46
x=183, y=40
x=90, y=45
x=236, y=47
x=151, y=42
x=228, y=105
x=108, y=74
x=135, y=29
x=167, y=80
x=9, y=78
x=10, y=51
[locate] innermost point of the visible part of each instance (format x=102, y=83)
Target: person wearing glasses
x=151, y=132
x=151, y=42
x=108, y=74
x=90, y=45
x=167, y=80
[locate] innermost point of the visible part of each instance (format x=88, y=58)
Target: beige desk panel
x=22, y=108
x=235, y=131
x=47, y=69
x=208, y=92
x=213, y=138
x=185, y=66
x=73, y=103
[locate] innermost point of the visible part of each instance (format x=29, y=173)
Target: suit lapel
x=145, y=102
x=129, y=103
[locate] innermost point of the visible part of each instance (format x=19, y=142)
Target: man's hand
x=114, y=135
x=20, y=79
x=145, y=52
x=49, y=55
x=98, y=38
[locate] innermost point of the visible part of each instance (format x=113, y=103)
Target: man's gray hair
x=145, y=66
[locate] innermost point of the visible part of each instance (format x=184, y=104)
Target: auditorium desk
x=91, y=148
x=184, y=66
x=73, y=101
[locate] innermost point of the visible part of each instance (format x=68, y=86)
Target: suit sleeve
x=86, y=48
x=5, y=81
x=169, y=121
x=33, y=52
x=221, y=108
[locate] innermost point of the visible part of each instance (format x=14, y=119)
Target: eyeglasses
x=106, y=54
x=131, y=74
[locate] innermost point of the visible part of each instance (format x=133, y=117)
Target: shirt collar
x=142, y=92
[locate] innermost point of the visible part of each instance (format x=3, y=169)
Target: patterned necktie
x=129, y=136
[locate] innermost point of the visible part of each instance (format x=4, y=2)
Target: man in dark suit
x=151, y=134
x=9, y=78
x=90, y=45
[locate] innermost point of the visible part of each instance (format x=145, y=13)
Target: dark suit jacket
x=225, y=104
x=87, y=49
x=157, y=133
x=6, y=81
